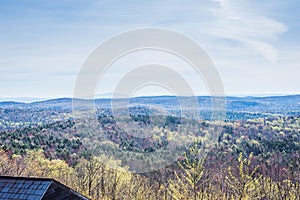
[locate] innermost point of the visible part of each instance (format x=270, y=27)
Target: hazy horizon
x=107, y=96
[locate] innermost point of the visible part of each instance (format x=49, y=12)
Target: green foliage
x=188, y=183
x=74, y=153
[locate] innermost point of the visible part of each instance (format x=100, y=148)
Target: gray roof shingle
x=23, y=188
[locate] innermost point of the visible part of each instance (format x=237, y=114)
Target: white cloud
x=240, y=20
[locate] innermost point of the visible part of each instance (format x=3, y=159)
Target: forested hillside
x=256, y=155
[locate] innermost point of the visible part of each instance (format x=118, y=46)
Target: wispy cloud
x=240, y=20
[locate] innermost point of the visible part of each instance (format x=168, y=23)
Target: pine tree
x=188, y=183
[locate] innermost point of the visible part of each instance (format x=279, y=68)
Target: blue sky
x=254, y=44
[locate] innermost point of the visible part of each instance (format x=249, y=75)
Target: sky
x=254, y=44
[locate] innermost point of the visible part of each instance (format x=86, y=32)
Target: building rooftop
x=24, y=188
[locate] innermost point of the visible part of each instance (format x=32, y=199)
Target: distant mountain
x=22, y=99
x=270, y=104
x=10, y=103
x=16, y=115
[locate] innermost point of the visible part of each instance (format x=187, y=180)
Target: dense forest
x=253, y=156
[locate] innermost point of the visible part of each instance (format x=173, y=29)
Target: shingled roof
x=24, y=188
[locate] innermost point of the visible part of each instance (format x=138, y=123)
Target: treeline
x=193, y=177
x=253, y=159
x=12, y=118
x=57, y=140
x=72, y=140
